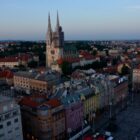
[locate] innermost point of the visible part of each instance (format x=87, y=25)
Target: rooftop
x=4, y=99
x=43, y=76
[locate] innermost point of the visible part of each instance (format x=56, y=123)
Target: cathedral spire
x=57, y=24
x=49, y=32
x=49, y=23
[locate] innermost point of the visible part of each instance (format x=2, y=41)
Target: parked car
x=110, y=138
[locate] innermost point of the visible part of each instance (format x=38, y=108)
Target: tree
x=125, y=70
x=66, y=68
x=94, y=52
x=21, y=67
x=32, y=64
x=114, y=61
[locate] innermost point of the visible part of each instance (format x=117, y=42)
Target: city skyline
x=99, y=20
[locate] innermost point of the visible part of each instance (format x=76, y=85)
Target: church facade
x=56, y=51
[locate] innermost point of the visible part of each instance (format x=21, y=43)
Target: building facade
x=73, y=113
x=35, y=81
x=10, y=120
x=136, y=80
x=56, y=51
x=54, y=45
x=42, y=119
x=17, y=60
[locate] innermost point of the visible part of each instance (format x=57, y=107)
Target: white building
x=10, y=120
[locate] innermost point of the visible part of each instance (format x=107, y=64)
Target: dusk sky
x=80, y=19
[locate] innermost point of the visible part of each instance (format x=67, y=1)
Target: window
x=15, y=113
x=16, y=120
x=8, y=123
x=7, y=116
x=12, y=105
x=1, y=135
x=1, y=118
x=17, y=128
x=10, y=131
x=18, y=136
x=5, y=108
x=1, y=126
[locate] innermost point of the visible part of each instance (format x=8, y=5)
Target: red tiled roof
x=27, y=101
x=138, y=56
x=6, y=74
x=40, y=69
x=100, y=138
x=110, y=69
x=70, y=60
x=138, y=67
x=53, y=102
x=88, y=138
x=9, y=59
x=87, y=55
x=22, y=57
x=60, y=61
x=137, y=49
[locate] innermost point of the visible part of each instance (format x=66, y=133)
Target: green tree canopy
x=32, y=64
x=125, y=70
x=66, y=68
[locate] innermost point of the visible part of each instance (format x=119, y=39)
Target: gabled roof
x=6, y=74
x=36, y=101
x=87, y=55
x=29, y=102
x=70, y=60
x=53, y=103
x=22, y=57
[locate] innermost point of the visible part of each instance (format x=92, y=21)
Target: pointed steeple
x=49, y=32
x=57, y=24
x=49, y=23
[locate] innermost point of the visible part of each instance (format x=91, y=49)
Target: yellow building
x=91, y=104
x=38, y=85
x=33, y=81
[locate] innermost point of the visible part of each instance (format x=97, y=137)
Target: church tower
x=49, y=38
x=54, y=44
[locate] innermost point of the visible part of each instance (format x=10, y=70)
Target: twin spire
x=49, y=23
x=57, y=25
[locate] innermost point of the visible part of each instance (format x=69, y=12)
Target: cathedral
x=56, y=51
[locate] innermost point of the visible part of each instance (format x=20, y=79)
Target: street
x=128, y=122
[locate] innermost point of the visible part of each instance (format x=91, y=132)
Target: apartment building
x=10, y=120
x=136, y=80
x=42, y=119
x=36, y=81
